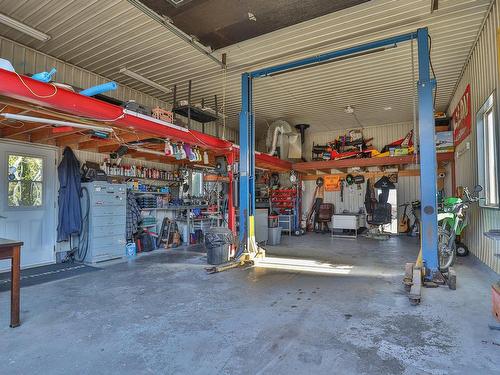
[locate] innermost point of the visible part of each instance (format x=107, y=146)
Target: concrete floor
x=163, y=314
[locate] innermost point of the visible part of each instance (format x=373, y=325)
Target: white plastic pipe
x=12, y=116
x=148, y=151
x=280, y=130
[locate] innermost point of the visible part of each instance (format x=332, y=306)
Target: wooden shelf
x=324, y=165
x=142, y=178
x=147, y=192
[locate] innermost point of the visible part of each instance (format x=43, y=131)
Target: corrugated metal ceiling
x=104, y=36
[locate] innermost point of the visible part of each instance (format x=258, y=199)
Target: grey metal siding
x=481, y=72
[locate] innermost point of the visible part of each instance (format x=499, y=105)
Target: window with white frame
x=25, y=181
x=487, y=152
x=197, y=184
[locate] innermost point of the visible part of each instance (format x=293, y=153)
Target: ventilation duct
x=283, y=140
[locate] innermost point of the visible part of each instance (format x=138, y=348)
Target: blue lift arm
x=428, y=164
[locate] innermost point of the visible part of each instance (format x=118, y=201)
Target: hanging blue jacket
x=70, y=215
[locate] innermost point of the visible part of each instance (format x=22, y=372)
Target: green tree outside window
x=25, y=176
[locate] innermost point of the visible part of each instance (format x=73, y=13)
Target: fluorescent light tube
x=145, y=80
x=41, y=120
x=19, y=26
x=147, y=151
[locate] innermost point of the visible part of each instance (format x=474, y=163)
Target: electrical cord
x=79, y=252
x=34, y=93
x=83, y=242
x=433, y=72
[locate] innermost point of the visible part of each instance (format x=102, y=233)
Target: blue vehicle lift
x=428, y=163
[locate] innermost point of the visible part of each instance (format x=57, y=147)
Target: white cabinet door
x=27, y=200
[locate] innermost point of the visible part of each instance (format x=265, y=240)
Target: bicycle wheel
x=446, y=253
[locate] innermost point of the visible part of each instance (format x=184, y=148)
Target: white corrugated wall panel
x=481, y=73
x=408, y=187
x=408, y=190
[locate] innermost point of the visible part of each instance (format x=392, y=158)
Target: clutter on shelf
x=354, y=145
x=283, y=201
x=138, y=171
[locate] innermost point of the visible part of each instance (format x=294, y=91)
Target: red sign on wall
x=461, y=118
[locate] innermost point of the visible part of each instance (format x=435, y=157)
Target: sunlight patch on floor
x=303, y=265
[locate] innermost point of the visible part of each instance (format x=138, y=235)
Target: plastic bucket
x=272, y=221
x=274, y=236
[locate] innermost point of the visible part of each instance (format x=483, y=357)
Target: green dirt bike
x=452, y=220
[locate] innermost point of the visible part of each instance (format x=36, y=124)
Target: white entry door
x=27, y=200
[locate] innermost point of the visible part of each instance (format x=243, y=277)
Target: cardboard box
x=444, y=142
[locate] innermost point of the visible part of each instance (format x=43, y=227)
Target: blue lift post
x=245, y=161
x=428, y=164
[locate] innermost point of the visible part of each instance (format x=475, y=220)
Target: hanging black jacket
x=385, y=185
x=70, y=215
x=370, y=199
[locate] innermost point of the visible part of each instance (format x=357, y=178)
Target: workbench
x=349, y=221
x=10, y=249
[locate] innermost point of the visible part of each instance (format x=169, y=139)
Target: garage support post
x=246, y=166
x=428, y=163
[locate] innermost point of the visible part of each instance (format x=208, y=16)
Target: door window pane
x=490, y=159
x=25, y=181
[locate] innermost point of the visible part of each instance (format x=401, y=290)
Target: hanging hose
x=79, y=253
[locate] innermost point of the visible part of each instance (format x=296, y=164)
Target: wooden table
x=10, y=249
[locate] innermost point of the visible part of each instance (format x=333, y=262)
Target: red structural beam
x=46, y=95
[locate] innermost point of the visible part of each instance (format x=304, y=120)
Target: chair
x=381, y=215
x=324, y=216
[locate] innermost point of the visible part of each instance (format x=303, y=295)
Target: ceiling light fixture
x=145, y=80
x=12, y=116
x=147, y=151
x=19, y=26
x=387, y=108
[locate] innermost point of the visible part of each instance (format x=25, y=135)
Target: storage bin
x=274, y=237
x=272, y=221
x=218, y=242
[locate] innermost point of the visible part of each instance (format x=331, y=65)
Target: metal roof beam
x=175, y=30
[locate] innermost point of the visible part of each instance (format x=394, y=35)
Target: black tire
x=461, y=249
x=298, y=232
x=446, y=257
